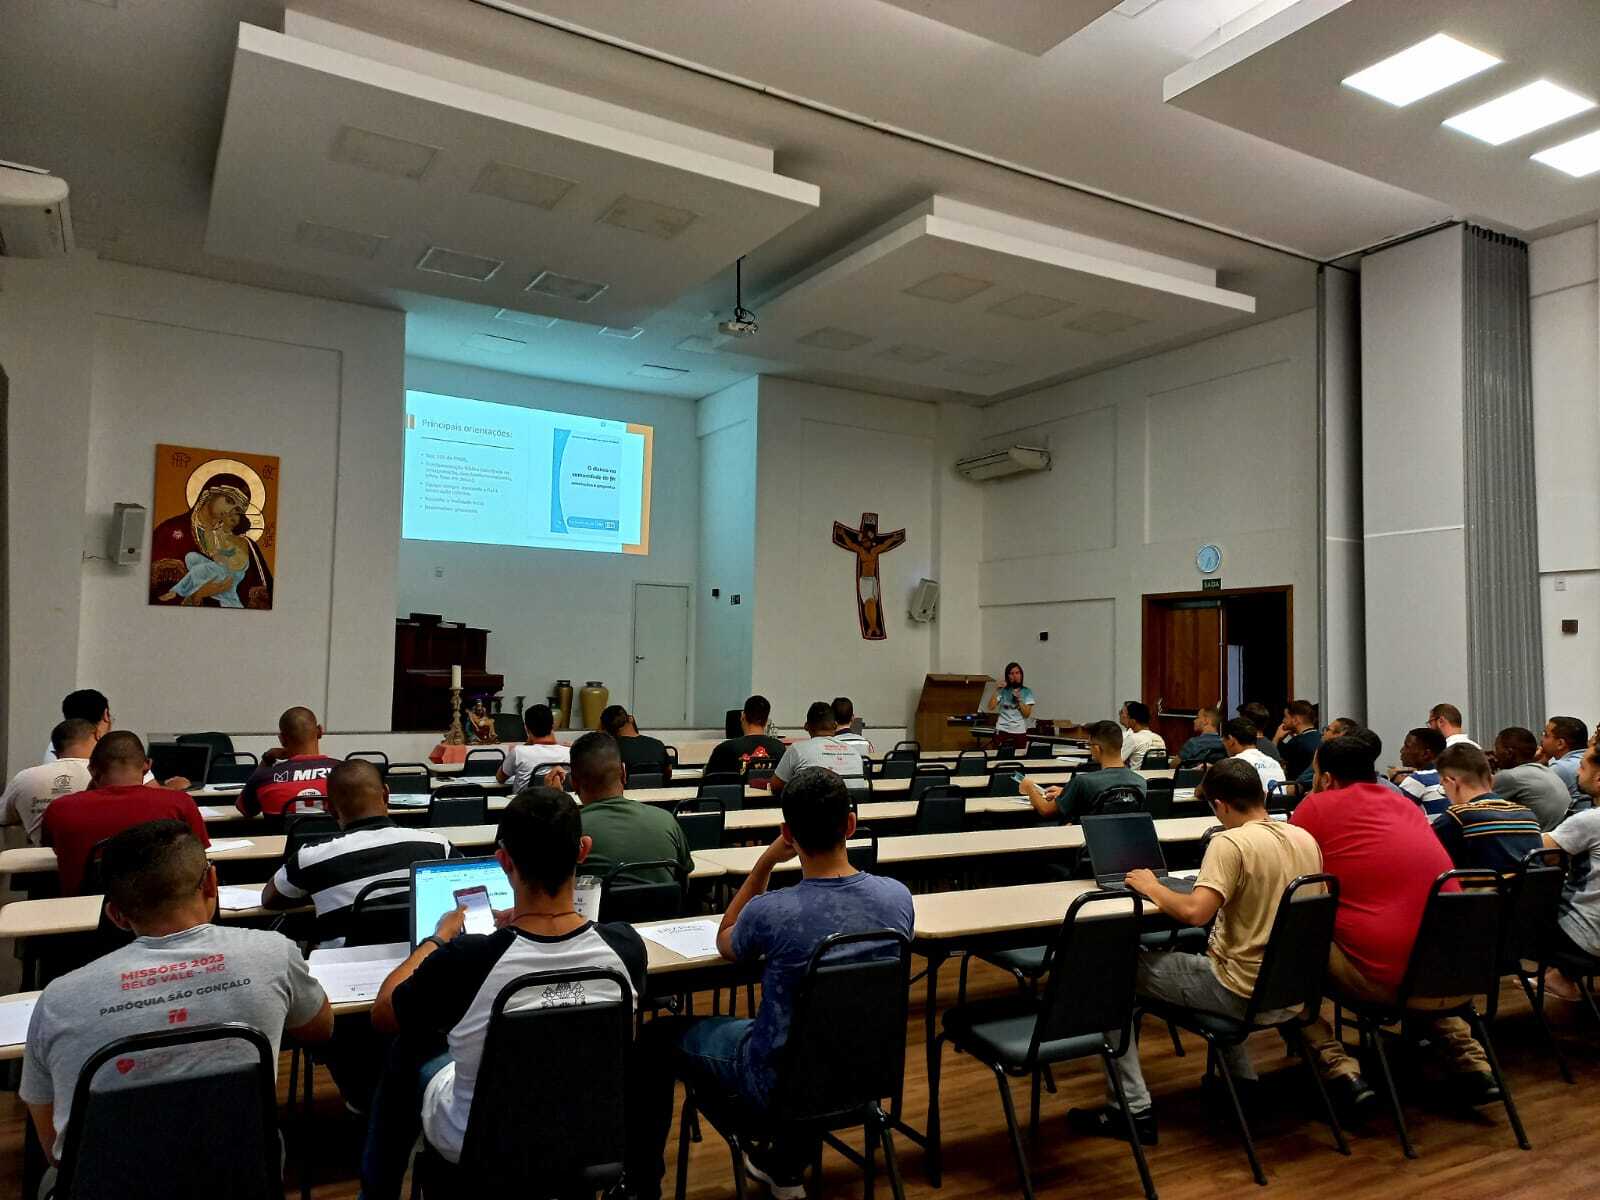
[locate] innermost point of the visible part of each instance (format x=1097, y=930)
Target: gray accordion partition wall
x=1505, y=660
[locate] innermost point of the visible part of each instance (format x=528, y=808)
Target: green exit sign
x=1211, y=585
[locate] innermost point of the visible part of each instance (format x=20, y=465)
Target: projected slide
x=503, y=475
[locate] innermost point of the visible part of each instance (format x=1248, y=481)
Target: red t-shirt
x=303, y=777
x=75, y=823
x=1386, y=856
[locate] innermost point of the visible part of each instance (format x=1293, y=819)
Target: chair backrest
x=727, y=790
x=235, y=766
x=1155, y=760
x=1092, y=992
x=762, y=769
x=547, y=1112
x=1187, y=778
x=481, y=762
x=508, y=727
x=847, y=1031
x=213, y=1133
x=1532, y=896
x=307, y=828
x=458, y=804
x=897, y=765
x=1457, y=951
x=539, y=776
x=1158, y=798
x=972, y=762
x=672, y=755
x=862, y=849
x=409, y=778
x=941, y=809
x=928, y=775
x=1295, y=961
x=1004, y=783
x=703, y=821
x=376, y=757
x=633, y=900
x=1122, y=797
x=1037, y=749
x=914, y=749
x=380, y=915
x=646, y=779
x=860, y=791
x=220, y=743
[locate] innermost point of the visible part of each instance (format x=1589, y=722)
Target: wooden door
x=1183, y=649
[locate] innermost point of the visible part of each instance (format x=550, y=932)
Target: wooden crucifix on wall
x=867, y=544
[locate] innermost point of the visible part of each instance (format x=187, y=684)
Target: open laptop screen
x=1122, y=842
x=435, y=887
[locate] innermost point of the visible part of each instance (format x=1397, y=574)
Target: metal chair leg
x=1133, y=1134
x=871, y=1132
x=1238, y=1112
x=935, y=1149
x=1481, y=1028
x=1011, y=1128
x=737, y=1152
x=309, y=1081
x=1536, y=1002
x=891, y=1165
x=1177, y=1042
x=683, y=1145
x=1586, y=987
x=1033, y=1112
x=1049, y=1079
x=1393, y=1093
x=1297, y=1037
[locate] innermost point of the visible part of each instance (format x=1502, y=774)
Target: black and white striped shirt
x=332, y=873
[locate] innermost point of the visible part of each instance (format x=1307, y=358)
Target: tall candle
x=455, y=677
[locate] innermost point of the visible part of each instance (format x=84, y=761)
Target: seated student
x=640, y=752
x=540, y=750
x=1140, y=739
x=1338, y=727
x=86, y=704
x=1242, y=879
x=781, y=929
x=820, y=749
x=1297, y=737
x=1069, y=804
x=1578, y=919
x=1562, y=747
x=621, y=830
x=297, y=774
x=1446, y=718
x=844, y=716
x=33, y=788
x=439, y=1000
x=1380, y=847
x=1521, y=778
x=1239, y=739
x=119, y=800
x=1205, y=747
x=1419, y=777
x=1480, y=828
x=736, y=755
x=1256, y=713
x=160, y=887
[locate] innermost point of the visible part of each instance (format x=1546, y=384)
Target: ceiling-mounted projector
x=997, y=464
x=34, y=221
x=743, y=321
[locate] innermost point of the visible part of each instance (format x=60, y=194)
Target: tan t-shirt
x=1250, y=867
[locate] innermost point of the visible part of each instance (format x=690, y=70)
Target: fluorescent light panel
x=1421, y=70
x=1534, y=106
x=533, y=320
x=565, y=287
x=948, y=288
x=381, y=153
x=458, y=264
x=1029, y=307
x=1579, y=158
x=339, y=241
x=626, y=335
x=521, y=186
x=1104, y=322
x=647, y=217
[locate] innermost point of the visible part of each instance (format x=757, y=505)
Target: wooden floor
x=1464, y=1154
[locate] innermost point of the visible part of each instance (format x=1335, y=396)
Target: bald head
x=298, y=730
x=356, y=791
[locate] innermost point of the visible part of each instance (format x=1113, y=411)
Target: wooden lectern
x=943, y=697
x=425, y=648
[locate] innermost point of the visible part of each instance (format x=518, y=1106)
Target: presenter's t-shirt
x=1010, y=718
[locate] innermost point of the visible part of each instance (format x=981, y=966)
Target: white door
x=661, y=654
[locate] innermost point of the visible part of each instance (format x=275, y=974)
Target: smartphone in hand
x=480, y=913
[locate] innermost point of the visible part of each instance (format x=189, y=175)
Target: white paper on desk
x=1182, y=794
x=216, y=812
x=352, y=973
x=222, y=844
x=232, y=897
x=14, y=1018
x=691, y=939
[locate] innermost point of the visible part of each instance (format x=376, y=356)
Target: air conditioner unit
x=34, y=221
x=996, y=464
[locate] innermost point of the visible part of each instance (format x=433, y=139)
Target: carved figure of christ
x=867, y=544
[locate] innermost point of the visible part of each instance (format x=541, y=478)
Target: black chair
x=508, y=727
x=672, y=756
x=1532, y=897
x=643, y=780
x=762, y=771
x=724, y=787
x=213, y=1133
x=643, y=895
x=1124, y=797
x=908, y=747
x=307, y=828
x=860, y=791
x=539, y=776
x=898, y=764
x=1293, y=969
x=1040, y=750
x=925, y=776
x=232, y=767
x=862, y=849
x=1158, y=798
x=1002, y=778
x=1456, y=954
x=376, y=757
x=409, y=779
x=1155, y=760
x=703, y=821
x=458, y=804
x=220, y=743
x=844, y=1054
x=972, y=762
x=1083, y=1004
x=380, y=915
x=941, y=809
x=1187, y=778
x=537, y=1136
x=482, y=763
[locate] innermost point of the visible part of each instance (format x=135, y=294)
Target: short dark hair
x=353, y=781
x=819, y=714
x=1446, y=712
x=1257, y=714
x=1348, y=759
x=85, y=704
x=612, y=718
x=1303, y=709
x=843, y=710
x=1138, y=711
x=540, y=830
x=816, y=808
x=1210, y=713
x=1519, y=743
x=1234, y=783
x=538, y=720
x=120, y=747
x=1343, y=725
x=757, y=710
x=69, y=733
x=596, y=763
x=151, y=867
x=1107, y=735
x=1570, y=730
x=297, y=724
x=1429, y=738
x=1242, y=731
x=1465, y=760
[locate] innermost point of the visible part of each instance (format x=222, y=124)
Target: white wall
x=1215, y=442
x=560, y=614
x=1344, y=640
x=1566, y=413
x=724, y=631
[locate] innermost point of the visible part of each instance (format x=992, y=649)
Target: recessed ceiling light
x=656, y=371
x=1104, y=322
x=382, y=153
x=494, y=344
x=831, y=338
x=646, y=216
x=626, y=335
x=521, y=186
x=339, y=241
x=698, y=344
x=1579, y=157
x=977, y=366
x=564, y=287
x=459, y=265
x=909, y=354
x=1029, y=307
x=1428, y=67
x=948, y=288
x=1538, y=104
x=533, y=320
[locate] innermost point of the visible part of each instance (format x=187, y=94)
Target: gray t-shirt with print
x=839, y=757
x=206, y=974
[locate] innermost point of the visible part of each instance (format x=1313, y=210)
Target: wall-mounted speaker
x=127, y=534
x=925, y=601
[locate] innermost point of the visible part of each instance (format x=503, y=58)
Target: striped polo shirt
x=1488, y=832
x=332, y=873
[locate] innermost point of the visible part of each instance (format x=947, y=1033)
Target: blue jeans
x=707, y=1058
x=395, y=1121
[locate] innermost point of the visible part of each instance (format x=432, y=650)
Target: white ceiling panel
x=1032, y=26
x=416, y=181
x=952, y=296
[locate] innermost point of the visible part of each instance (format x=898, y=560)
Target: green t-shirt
x=1087, y=787
x=629, y=831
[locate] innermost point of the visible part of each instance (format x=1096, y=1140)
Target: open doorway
x=1223, y=648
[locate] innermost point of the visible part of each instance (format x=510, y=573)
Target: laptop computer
x=1123, y=842
x=478, y=884
x=188, y=760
